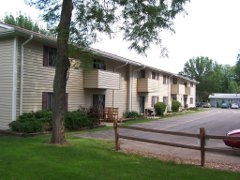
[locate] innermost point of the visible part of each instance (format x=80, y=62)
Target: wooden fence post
x=117, y=144
x=202, y=145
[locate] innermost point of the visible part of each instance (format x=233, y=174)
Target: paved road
x=215, y=121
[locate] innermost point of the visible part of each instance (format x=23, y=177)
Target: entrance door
x=141, y=104
x=99, y=101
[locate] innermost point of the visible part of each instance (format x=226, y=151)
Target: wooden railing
x=202, y=137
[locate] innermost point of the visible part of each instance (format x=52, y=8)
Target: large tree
x=141, y=22
x=196, y=68
x=212, y=77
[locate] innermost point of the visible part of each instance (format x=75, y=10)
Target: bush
x=160, y=108
x=42, y=121
x=175, y=106
x=132, y=114
x=32, y=122
x=76, y=120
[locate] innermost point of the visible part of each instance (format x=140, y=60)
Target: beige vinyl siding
x=6, y=81
x=38, y=79
x=118, y=97
x=75, y=90
x=135, y=105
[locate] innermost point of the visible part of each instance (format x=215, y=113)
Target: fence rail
x=202, y=137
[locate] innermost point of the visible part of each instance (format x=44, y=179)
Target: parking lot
x=216, y=121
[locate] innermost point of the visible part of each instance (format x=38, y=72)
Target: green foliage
x=88, y=159
x=175, y=106
x=76, y=120
x=41, y=121
x=160, y=108
x=141, y=20
x=32, y=122
x=132, y=114
x=24, y=22
x=212, y=77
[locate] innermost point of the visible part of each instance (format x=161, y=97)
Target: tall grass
x=34, y=158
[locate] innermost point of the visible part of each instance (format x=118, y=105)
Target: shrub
x=175, y=106
x=32, y=122
x=41, y=121
x=76, y=120
x=132, y=114
x=160, y=108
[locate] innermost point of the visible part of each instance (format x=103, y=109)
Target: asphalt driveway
x=215, y=121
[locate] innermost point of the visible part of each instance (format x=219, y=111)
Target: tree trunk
x=60, y=79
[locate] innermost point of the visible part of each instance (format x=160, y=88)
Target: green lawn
x=34, y=158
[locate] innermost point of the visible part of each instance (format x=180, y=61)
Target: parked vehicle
x=206, y=105
x=234, y=106
x=224, y=105
x=233, y=143
x=199, y=104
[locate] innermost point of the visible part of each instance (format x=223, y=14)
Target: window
x=165, y=100
x=191, y=100
x=154, y=100
x=47, y=100
x=174, y=97
x=191, y=84
x=49, y=56
x=98, y=64
x=155, y=75
x=185, y=84
x=174, y=80
x=141, y=73
x=164, y=79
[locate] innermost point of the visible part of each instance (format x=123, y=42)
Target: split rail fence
x=202, y=137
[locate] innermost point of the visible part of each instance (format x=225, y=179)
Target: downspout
x=131, y=86
x=22, y=69
x=169, y=93
x=113, y=91
x=14, y=82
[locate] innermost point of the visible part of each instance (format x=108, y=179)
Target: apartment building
x=27, y=71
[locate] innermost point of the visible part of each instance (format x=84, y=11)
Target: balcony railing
x=180, y=89
x=147, y=85
x=101, y=79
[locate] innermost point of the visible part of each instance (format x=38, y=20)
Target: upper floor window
x=155, y=75
x=175, y=80
x=191, y=84
x=98, y=64
x=49, y=56
x=185, y=84
x=164, y=79
x=141, y=73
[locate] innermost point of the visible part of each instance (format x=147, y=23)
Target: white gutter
x=14, y=82
x=113, y=91
x=22, y=69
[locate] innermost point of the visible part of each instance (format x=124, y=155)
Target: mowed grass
x=34, y=158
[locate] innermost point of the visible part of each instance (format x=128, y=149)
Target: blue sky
x=211, y=29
